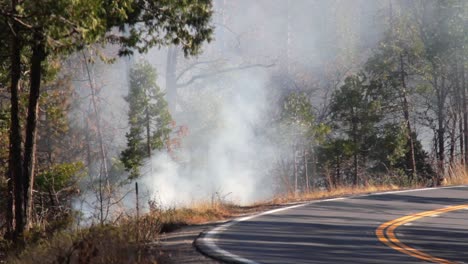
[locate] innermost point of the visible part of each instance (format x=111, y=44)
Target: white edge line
x=209, y=238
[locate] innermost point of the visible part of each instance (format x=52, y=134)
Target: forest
x=121, y=113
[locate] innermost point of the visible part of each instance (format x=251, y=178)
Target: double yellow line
x=386, y=233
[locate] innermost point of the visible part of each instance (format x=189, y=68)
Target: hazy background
x=261, y=51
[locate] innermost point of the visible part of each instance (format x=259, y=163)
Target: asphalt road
x=344, y=231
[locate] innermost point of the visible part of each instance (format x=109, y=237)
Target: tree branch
x=193, y=65
x=202, y=76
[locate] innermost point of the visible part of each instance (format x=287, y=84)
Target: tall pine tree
x=148, y=117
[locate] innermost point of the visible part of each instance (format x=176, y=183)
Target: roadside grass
x=339, y=191
x=458, y=175
x=196, y=213
x=127, y=240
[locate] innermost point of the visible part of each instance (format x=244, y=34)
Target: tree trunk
x=148, y=133
x=88, y=144
x=288, y=37
x=102, y=150
x=441, y=128
x=458, y=101
x=313, y=168
x=38, y=56
x=171, y=81
x=306, y=172
x=411, y=161
x=465, y=113
x=295, y=171
x=338, y=171
x=15, y=159
x=355, y=179
x=355, y=141
x=453, y=140
x=461, y=141
x=10, y=208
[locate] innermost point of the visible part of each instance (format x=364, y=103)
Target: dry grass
x=337, y=192
x=198, y=213
x=458, y=175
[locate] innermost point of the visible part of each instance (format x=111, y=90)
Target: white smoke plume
x=228, y=156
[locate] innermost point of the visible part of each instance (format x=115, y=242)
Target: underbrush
x=125, y=241
x=99, y=244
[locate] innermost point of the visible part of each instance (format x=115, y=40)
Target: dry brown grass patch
x=458, y=175
x=198, y=213
x=336, y=192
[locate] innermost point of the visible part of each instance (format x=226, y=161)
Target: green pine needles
x=148, y=117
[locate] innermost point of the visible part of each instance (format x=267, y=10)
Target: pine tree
x=148, y=117
x=357, y=107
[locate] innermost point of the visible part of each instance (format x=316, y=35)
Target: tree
x=50, y=28
x=367, y=132
x=439, y=26
x=334, y=153
x=357, y=107
x=148, y=117
x=298, y=116
x=58, y=165
x=391, y=63
x=301, y=132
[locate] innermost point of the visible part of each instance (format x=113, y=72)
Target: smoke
x=226, y=154
x=232, y=145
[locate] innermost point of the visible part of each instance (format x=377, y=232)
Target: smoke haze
x=225, y=153
x=261, y=51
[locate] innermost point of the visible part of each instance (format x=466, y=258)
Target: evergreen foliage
x=148, y=116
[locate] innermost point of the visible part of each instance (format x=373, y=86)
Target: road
x=400, y=227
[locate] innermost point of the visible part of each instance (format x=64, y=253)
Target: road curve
x=425, y=225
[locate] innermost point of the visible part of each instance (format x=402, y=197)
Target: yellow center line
x=386, y=233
